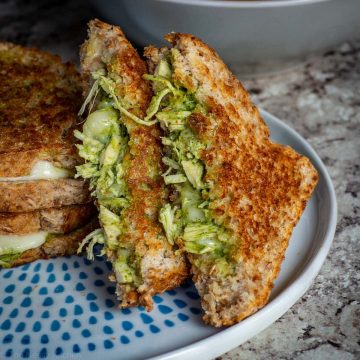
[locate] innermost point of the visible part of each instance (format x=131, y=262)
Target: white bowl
x=251, y=36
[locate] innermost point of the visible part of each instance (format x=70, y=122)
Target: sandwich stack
x=44, y=211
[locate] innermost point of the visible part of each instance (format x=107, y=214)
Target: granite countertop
x=321, y=100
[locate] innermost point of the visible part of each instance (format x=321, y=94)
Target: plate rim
x=275, y=308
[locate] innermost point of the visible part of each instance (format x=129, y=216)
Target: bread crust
x=160, y=268
x=39, y=100
x=54, y=220
x=57, y=245
x=259, y=190
x=24, y=196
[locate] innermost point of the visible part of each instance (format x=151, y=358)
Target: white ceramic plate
x=65, y=308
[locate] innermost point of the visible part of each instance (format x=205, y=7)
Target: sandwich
x=44, y=211
x=235, y=196
x=122, y=161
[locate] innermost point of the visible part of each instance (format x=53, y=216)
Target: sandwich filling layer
x=104, y=145
x=42, y=170
x=188, y=219
x=11, y=246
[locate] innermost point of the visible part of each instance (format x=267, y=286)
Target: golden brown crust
x=55, y=220
x=160, y=268
x=259, y=190
x=57, y=245
x=39, y=100
x=107, y=48
x=33, y=195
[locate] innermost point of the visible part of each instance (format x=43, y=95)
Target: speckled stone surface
x=321, y=100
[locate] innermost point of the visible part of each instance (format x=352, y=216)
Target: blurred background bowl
x=251, y=36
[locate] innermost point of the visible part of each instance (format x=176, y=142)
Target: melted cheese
x=20, y=243
x=41, y=170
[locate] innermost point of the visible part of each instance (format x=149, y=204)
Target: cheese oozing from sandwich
x=20, y=243
x=42, y=170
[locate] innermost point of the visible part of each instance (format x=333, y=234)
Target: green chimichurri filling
x=104, y=143
x=8, y=257
x=187, y=219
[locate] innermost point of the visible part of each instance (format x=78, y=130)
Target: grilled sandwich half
x=39, y=100
x=44, y=212
x=122, y=153
x=235, y=195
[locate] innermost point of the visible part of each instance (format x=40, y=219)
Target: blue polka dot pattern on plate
x=165, y=309
x=108, y=330
x=10, y=288
x=8, y=300
x=86, y=333
x=65, y=336
x=67, y=308
x=37, y=326
x=169, y=323
x=43, y=291
x=147, y=319
x=20, y=327
x=25, y=340
x=8, y=339
x=91, y=296
x=124, y=339
x=48, y=301
x=180, y=303
x=44, y=339
x=109, y=303
x=78, y=310
x=51, y=278
x=25, y=354
x=43, y=353
x=127, y=325
x=108, y=344
x=55, y=325
x=92, y=320
x=26, y=302
x=154, y=329
x=108, y=315
x=69, y=299
x=27, y=290
x=14, y=313
x=59, y=289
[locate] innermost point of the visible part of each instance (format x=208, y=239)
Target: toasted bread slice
x=55, y=220
x=24, y=196
x=56, y=245
x=257, y=189
x=39, y=100
x=153, y=260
